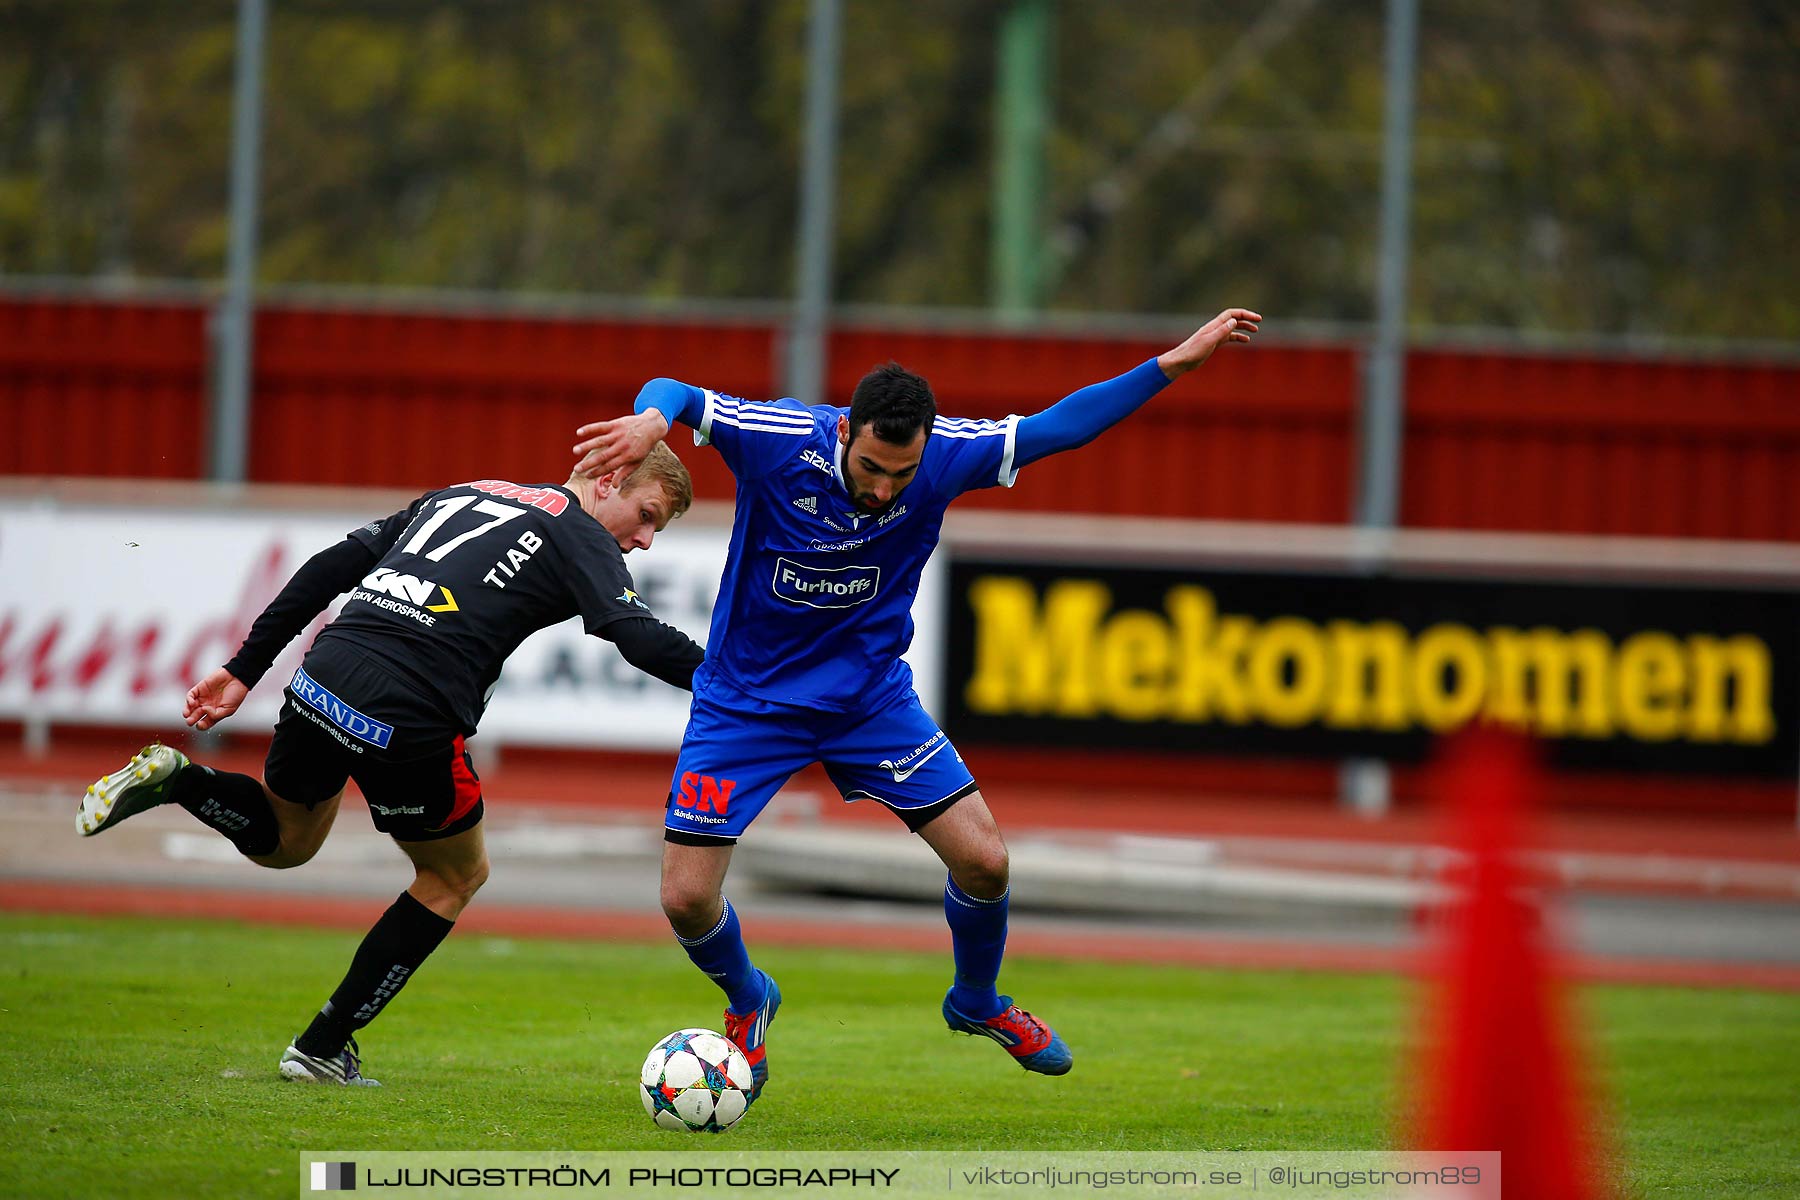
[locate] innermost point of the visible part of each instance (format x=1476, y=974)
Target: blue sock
x=978, y=940
x=726, y=961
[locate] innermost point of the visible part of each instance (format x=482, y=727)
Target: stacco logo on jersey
x=825, y=587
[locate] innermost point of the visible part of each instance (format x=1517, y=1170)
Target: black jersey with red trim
x=468, y=572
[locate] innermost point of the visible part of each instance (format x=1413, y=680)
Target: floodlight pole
x=1364, y=785
x=1021, y=125
x=806, y=340
x=233, y=321
x=1384, y=403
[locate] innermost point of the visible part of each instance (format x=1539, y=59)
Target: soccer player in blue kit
x=837, y=512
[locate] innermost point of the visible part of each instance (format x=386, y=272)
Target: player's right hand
x=621, y=443
x=213, y=699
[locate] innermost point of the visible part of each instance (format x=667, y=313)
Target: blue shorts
x=738, y=751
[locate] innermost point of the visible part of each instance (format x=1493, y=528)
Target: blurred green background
x=1606, y=167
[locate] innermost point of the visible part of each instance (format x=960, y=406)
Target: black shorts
x=347, y=718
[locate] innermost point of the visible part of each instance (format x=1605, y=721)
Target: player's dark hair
x=895, y=402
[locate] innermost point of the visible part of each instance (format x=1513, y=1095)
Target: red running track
x=531, y=921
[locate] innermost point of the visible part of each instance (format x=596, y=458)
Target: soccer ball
x=695, y=1080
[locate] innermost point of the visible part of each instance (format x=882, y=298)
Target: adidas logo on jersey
x=808, y=504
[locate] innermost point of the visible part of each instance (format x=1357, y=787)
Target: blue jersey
x=815, y=605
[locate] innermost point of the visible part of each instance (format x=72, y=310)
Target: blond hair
x=663, y=468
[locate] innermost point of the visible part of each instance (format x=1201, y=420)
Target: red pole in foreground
x=1499, y=1070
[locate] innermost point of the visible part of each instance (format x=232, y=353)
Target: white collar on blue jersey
x=837, y=462
x=852, y=513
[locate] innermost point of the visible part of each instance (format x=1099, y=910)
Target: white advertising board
x=108, y=614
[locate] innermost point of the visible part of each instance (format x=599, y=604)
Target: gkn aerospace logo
x=405, y=594
x=389, y=582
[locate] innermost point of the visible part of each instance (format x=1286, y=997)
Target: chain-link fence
x=1611, y=167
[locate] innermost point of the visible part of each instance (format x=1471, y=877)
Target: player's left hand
x=213, y=699
x=619, y=444
x=1232, y=325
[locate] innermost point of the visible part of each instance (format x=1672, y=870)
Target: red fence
x=1493, y=441
x=1258, y=436
x=1590, y=445
x=417, y=401
x=90, y=388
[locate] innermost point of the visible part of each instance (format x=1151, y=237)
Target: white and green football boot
x=139, y=784
x=343, y=1068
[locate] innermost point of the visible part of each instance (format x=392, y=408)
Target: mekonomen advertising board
x=1625, y=677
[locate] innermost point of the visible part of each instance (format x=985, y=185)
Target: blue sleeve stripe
x=764, y=412
x=773, y=405
x=760, y=418
x=963, y=429
x=761, y=426
x=768, y=406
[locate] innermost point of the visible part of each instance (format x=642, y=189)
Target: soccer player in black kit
x=440, y=593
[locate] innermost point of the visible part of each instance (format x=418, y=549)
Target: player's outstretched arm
x=213, y=699
x=623, y=442
x=1232, y=325
x=1082, y=416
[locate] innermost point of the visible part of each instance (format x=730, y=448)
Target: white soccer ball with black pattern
x=697, y=1081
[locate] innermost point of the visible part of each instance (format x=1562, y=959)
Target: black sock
x=230, y=803
x=400, y=942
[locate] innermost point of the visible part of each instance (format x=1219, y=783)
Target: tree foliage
x=1613, y=166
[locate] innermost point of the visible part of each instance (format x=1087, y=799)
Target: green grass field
x=134, y=1051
